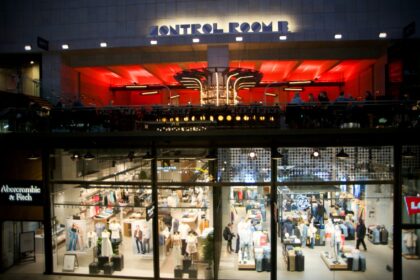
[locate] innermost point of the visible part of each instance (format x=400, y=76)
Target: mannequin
x=410, y=240
x=337, y=241
x=146, y=238
x=245, y=238
x=329, y=232
x=303, y=228
x=92, y=238
x=106, y=246
x=73, y=236
x=311, y=233
x=115, y=229
x=192, y=244
x=184, y=229
x=177, y=244
x=138, y=237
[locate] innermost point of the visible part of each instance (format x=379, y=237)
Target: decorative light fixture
x=65, y=46
x=342, y=154
x=28, y=47
x=292, y=89
x=149, y=92
x=305, y=82
x=103, y=45
x=283, y=38
x=88, y=156
x=408, y=154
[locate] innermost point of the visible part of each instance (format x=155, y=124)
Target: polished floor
x=378, y=256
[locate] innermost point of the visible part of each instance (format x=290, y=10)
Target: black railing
x=376, y=114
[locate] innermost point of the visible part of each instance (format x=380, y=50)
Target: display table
x=247, y=264
x=332, y=264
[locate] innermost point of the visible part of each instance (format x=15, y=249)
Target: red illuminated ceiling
x=273, y=71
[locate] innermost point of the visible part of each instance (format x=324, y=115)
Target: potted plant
x=208, y=255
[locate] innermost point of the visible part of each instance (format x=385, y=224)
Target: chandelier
x=218, y=85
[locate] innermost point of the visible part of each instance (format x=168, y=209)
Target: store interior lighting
x=315, y=154
x=75, y=156
x=103, y=45
x=65, y=46
x=252, y=155
x=342, y=154
x=338, y=36
x=28, y=47
x=88, y=156
x=283, y=38
x=153, y=42
x=408, y=154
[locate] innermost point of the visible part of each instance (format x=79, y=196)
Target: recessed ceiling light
x=153, y=42
x=31, y=62
x=283, y=37
x=103, y=44
x=28, y=47
x=65, y=47
x=383, y=35
x=196, y=40
x=239, y=39
x=338, y=36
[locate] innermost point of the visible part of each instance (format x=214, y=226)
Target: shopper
x=228, y=236
x=361, y=233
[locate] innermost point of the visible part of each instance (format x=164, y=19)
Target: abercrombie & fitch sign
x=21, y=193
x=281, y=27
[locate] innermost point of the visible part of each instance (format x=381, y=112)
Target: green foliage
x=208, y=250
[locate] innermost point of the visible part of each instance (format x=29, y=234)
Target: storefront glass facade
x=104, y=216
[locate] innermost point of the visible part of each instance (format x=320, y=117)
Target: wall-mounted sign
x=413, y=204
x=214, y=28
x=21, y=192
x=150, y=212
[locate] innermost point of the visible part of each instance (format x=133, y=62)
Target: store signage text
x=150, y=212
x=20, y=193
x=214, y=28
x=413, y=204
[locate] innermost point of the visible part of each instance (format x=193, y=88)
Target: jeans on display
x=243, y=246
x=303, y=240
x=263, y=212
x=115, y=240
x=72, y=241
x=312, y=242
x=237, y=244
x=140, y=249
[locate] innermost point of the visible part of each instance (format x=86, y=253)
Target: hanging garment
x=106, y=246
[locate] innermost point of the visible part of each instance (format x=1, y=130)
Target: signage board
x=21, y=192
x=413, y=204
x=150, y=212
x=233, y=27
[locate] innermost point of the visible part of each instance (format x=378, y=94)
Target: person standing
x=361, y=233
x=138, y=235
x=228, y=236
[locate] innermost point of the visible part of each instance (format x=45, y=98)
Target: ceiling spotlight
x=283, y=38
x=32, y=62
x=252, y=155
x=315, y=154
x=103, y=45
x=342, y=154
x=277, y=155
x=196, y=40
x=239, y=39
x=28, y=47
x=153, y=42
x=88, y=156
x=65, y=47
x=33, y=156
x=147, y=156
x=75, y=156
x=338, y=36
x=408, y=154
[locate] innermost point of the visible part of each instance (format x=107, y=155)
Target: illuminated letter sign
x=413, y=204
x=213, y=28
x=21, y=193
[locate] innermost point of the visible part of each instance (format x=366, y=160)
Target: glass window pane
x=246, y=236
x=185, y=229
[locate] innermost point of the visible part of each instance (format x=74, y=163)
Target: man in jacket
x=361, y=233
